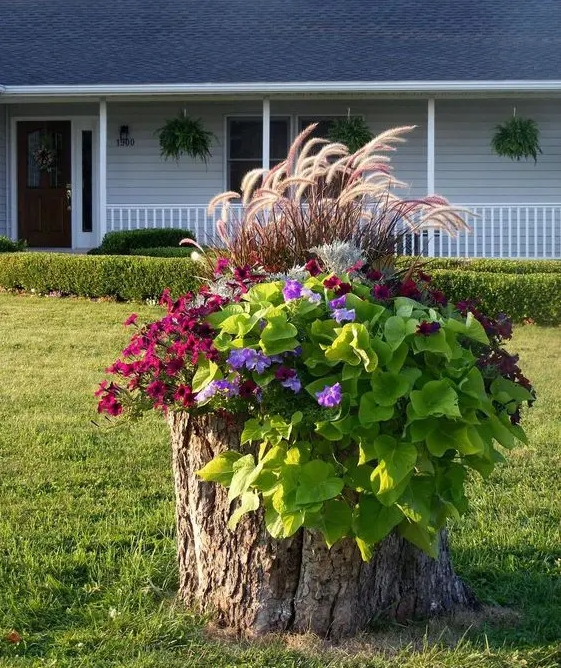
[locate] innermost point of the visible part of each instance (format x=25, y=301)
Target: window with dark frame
x=245, y=146
x=87, y=200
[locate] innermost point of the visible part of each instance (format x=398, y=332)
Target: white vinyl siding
x=138, y=175
x=3, y=171
x=467, y=170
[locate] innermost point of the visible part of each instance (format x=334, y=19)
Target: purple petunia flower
x=311, y=296
x=330, y=396
x=259, y=363
x=293, y=383
x=339, y=302
x=227, y=387
x=343, y=314
x=292, y=290
x=239, y=358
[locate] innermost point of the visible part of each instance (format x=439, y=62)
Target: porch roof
x=137, y=42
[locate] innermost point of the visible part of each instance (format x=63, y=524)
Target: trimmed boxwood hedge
x=9, y=246
x=164, y=251
x=123, y=242
x=121, y=276
x=532, y=295
x=499, y=266
x=520, y=296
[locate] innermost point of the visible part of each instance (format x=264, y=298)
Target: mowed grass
x=87, y=556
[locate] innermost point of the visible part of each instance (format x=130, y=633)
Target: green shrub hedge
x=520, y=296
x=9, y=246
x=123, y=277
x=164, y=251
x=123, y=242
x=489, y=265
x=532, y=295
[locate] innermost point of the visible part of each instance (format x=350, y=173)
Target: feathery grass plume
x=317, y=197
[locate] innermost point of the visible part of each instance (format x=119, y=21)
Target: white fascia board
x=335, y=87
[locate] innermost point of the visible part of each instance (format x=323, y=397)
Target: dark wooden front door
x=44, y=176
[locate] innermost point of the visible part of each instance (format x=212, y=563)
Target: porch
x=526, y=231
x=514, y=209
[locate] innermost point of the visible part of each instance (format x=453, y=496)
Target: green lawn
x=87, y=562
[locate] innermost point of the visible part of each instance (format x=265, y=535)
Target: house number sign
x=124, y=138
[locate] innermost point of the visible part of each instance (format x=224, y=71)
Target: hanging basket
x=185, y=135
x=353, y=132
x=517, y=138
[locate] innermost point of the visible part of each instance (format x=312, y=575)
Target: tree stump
x=256, y=584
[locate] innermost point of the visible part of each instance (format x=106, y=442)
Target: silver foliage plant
x=339, y=256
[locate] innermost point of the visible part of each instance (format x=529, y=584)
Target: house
x=97, y=79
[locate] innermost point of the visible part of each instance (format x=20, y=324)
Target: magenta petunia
x=131, y=320
x=381, y=292
x=312, y=267
x=427, y=328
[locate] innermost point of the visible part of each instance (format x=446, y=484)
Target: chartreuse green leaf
x=396, y=460
x=221, y=468
x=252, y=431
x=352, y=346
x=372, y=521
x=449, y=435
x=388, y=387
x=436, y=397
x=317, y=482
x=249, y=502
x=370, y=412
x=505, y=391
x=278, y=336
x=216, y=319
x=396, y=361
x=334, y=520
x=206, y=372
x=244, y=469
x=366, y=311
x=415, y=502
x=475, y=331
x=433, y=343
x=265, y=292
x=425, y=538
x=394, y=331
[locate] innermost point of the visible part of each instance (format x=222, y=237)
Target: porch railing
x=496, y=230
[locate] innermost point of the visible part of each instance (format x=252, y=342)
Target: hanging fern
x=185, y=135
x=353, y=132
x=517, y=138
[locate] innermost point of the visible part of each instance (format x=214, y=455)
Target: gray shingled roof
x=69, y=42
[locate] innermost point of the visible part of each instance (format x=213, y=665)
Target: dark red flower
x=381, y=292
x=185, y=396
x=332, y=282
x=424, y=277
x=221, y=266
x=439, y=297
x=374, y=275
x=409, y=289
x=427, y=328
x=312, y=267
x=242, y=273
x=248, y=389
x=174, y=366
x=284, y=373
x=343, y=289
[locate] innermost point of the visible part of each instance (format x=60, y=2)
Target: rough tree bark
x=255, y=584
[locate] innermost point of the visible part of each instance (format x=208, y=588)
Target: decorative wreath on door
x=45, y=154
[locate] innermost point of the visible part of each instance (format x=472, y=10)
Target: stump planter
x=255, y=584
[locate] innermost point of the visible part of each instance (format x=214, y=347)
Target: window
x=87, y=201
x=245, y=146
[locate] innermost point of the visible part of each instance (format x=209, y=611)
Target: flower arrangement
x=365, y=396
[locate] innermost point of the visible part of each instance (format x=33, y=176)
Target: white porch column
x=266, y=133
x=102, y=174
x=431, y=118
